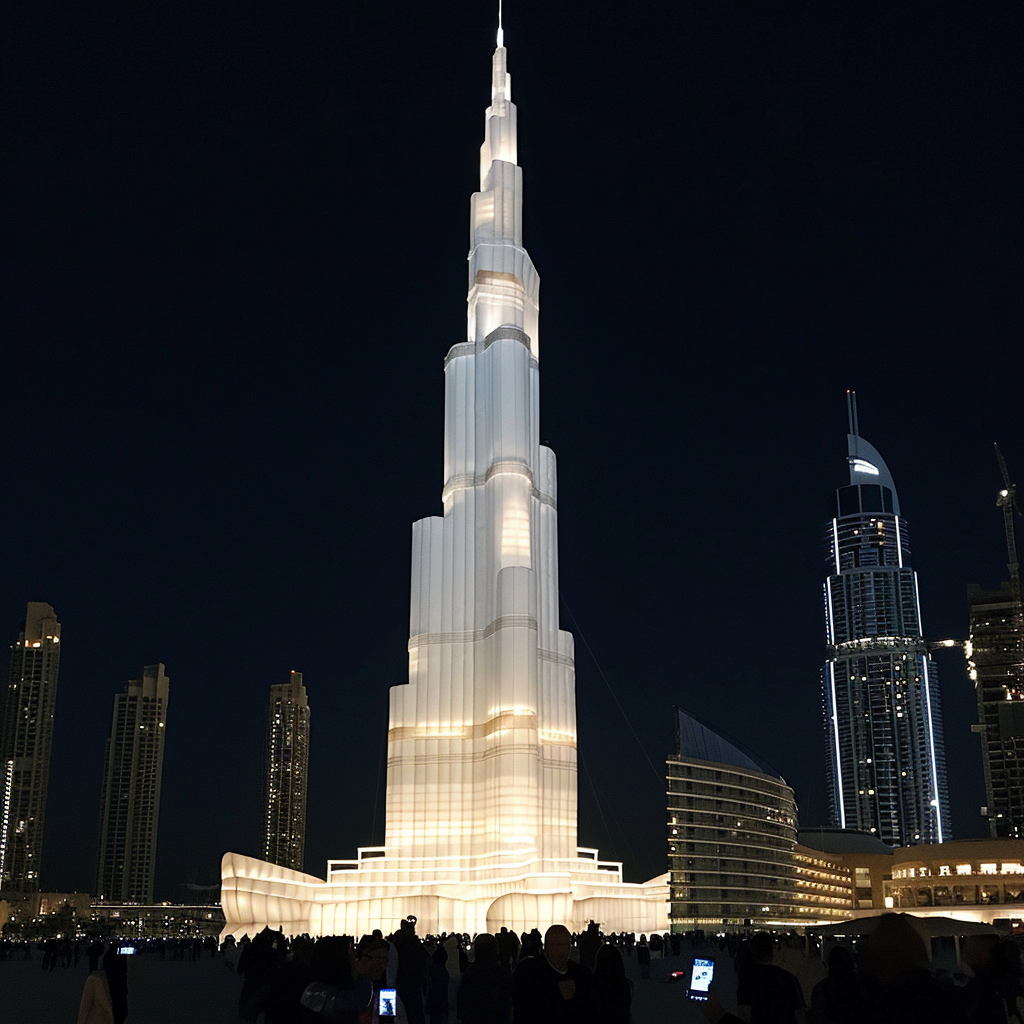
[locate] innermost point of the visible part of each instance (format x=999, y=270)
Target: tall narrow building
x=883, y=723
x=480, y=807
x=285, y=774
x=995, y=664
x=130, y=796
x=26, y=736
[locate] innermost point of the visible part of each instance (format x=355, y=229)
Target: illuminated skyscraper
x=26, y=734
x=881, y=698
x=285, y=774
x=480, y=807
x=130, y=799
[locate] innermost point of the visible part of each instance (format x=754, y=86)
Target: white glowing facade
x=480, y=826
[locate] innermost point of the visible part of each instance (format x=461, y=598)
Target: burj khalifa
x=480, y=826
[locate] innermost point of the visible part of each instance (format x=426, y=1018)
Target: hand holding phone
x=387, y=1004
x=702, y=973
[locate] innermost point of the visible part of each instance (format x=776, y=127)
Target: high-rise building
x=734, y=860
x=883, y=723
x=480, y=809
x=130, y=797
x=26, y=735
x=285, y=774
x=995, y=663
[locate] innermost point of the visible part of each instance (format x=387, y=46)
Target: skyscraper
x=130, y=796
x=285, y=774
x=994, y=663
x=26, y=721
x=883, y=723
x=480, y=809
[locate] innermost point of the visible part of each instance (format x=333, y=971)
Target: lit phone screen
x=701, y=977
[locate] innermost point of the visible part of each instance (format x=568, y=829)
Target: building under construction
x=995, y=662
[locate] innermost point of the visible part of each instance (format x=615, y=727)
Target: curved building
x=732, y=842
x=883, y=724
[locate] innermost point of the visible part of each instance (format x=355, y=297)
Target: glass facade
x=883, y=723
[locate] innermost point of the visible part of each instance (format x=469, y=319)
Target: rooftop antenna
x=501, y=31
x=1007, y=501
x=851, y=412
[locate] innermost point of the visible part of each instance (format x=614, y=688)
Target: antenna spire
x=501, y=30
x=851, y=413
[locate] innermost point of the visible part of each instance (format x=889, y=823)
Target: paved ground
x=206, y=992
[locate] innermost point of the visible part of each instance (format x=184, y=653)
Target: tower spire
x=501, y=31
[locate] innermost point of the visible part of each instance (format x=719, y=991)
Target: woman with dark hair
x=96, y=1006
x=115, y=966
x=485, y=994
x=613, y=994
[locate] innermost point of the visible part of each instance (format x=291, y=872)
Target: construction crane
x=1007, y=501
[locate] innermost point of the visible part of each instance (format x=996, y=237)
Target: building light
x=863, y=466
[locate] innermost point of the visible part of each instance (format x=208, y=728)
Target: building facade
x=995, y=664
x=26, y=737
x=883, y=723
x=480, y=807
x=971, y=879
x=130, y=795
x=285, y=774
x=734, y=861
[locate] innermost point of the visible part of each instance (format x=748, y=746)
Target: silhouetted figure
x=115, y=966
x=1006, y=969
x=772, y=993
x=257, y=963
x=485, y=995
x=437, y=987
x=96, y=1006
x=837, y=999
x=412, y=965
x=613, y=994
x=643, y=958
x=589, y=944
x=551, y=988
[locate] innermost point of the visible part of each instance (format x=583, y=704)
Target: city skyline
x=208, y=270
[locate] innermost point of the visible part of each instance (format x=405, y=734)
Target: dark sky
x=235, y=259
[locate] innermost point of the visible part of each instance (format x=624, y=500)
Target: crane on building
x=1007, y=501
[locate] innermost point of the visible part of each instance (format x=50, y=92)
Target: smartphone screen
x=126, y=950
x=387, y=1003
x=701, y=975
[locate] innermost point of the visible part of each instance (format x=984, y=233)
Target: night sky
x=235, y=260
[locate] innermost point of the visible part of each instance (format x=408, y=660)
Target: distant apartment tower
x=130, y=797
x=883, y=723
x=26, y=735
x=285, y=774
x=994, y=663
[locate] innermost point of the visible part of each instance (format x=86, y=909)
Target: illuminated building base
x=377, y=892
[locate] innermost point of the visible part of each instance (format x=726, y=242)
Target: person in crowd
x=643, y=958
x=96, y=1006
x=981, y=997
x=837, y=999
x=437, y=987
x=1006, y=969
x=485, y=995
x=115, y=966
x=335, y=1004
x=613, y=993
x=589, y=944
x=412, y=964
x=551, y=988
x=773, y=994
x=257, y=963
